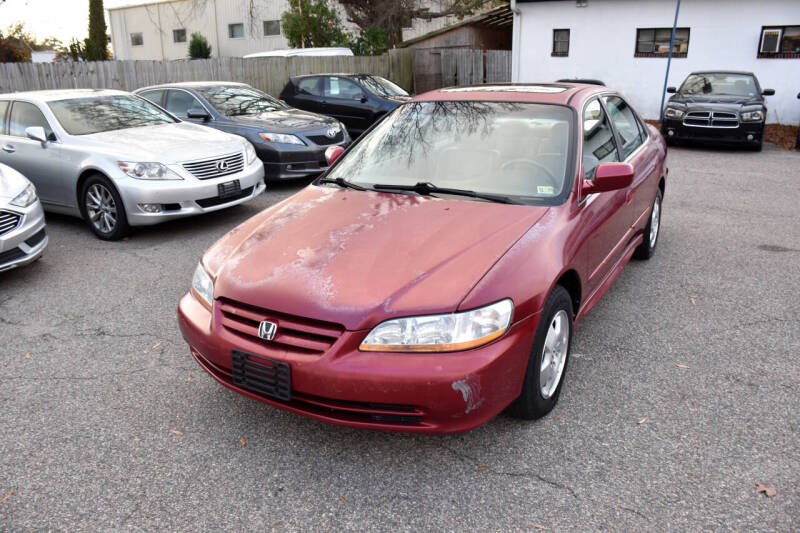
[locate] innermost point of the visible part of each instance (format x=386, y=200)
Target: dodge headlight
x=284, y=138
x=753, y=116
x=673, y=112
x=202, y=286
x=26, y=197
x=249, y=153
x=147, y=171
x=441, y=333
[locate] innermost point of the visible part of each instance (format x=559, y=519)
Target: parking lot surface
x=681, y=394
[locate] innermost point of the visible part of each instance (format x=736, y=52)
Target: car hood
x=167, y=143
x=734, y=101
x=357, y=258
x=284, y=120
x=11, y=183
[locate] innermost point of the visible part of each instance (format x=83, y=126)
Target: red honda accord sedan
x=434, y=275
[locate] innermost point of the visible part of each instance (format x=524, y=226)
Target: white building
x=161, y=29
x=625, y=42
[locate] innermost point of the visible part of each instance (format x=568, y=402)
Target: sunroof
x=508, y=89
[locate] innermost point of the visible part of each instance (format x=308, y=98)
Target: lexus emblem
x=222, y=165
x=332, y=132
x=267, y=330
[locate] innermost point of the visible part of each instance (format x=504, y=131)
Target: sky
x=63, y=19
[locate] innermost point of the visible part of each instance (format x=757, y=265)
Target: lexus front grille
x=214, y=168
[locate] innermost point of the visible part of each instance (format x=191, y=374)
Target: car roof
x=60, y=94
x=192, y=85
x=340, y=74
x=550, y=93
x=722, y=72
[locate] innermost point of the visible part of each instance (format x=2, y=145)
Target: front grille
x=295, y=335
x=711, y=119
x=8, y=221
x=216, y=200
x=11, y=255
x=324, y=140
x=215, y=168
x=36, y=238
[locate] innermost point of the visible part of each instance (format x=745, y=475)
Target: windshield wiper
x=341, y=182
x=426, y=188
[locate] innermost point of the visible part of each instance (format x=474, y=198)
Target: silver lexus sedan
x=117, y=160
x=22, y=234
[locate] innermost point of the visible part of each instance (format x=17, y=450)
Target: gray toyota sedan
x=117, y=160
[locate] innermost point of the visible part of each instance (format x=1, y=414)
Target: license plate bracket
x=229, y=188
x=262, y=375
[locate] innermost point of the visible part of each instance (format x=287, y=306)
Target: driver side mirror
x=332, y=153
x=197, y=112
x=362, y=98
x=672, y=90
x=608, y=177
x=37, y=134
x=768, y=92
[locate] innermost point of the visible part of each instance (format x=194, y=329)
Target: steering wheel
x=554, y=181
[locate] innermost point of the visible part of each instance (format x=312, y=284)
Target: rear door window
x=156, y=96
x=599, y=145
x=625, y=122
x=309, y=86
x=180, y=102
x=25, y=115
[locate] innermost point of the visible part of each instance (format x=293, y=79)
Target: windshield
x=233, y=101
x=95, y=114
x=720, y=83
x=517, y=150
x=381, y=86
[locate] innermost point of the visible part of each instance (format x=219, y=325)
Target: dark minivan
x=358, y=100
x=717, y=106
x=290, y=142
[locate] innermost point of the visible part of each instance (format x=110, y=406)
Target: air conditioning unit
x=771, y=41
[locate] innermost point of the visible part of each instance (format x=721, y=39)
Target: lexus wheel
x=103, y=208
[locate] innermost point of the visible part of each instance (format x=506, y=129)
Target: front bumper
x=433, y=393
x=25, y=243
x=186, y=197
x=746, y=133
x=295, y=161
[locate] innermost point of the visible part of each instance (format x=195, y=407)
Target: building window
x=236, y=31
x=560, y=43
x=654, y=42
x=136, y=39
x=272, y=27
x=780, y=42
x=179, y=36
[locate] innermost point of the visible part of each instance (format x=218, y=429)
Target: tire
x=103, y=209
x=648, y=246
x=537, y=398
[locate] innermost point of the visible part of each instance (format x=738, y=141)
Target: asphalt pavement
x=681, y=394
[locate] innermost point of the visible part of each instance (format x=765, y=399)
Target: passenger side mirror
x=362, y=98
x=672, y=90
x=37, y=134
x=608, y=177
x=332, y=153
x=197, y=112
x=768, y=92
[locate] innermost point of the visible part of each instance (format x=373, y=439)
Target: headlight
x=284, y=138
x=672, y=112
x=249, y=153
x=147, y=171
x=753, y=116
x=26, y=197
x=202, y=286
x=441, y=333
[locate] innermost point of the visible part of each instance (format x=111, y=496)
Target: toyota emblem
x=332, y=132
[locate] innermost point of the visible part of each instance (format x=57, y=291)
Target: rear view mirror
x=197, y=112
x=672, y=90
x=608, y=177
x=36, y=133
x=768, y=92
x=332, y=153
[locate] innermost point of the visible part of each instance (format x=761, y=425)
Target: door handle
x=9, y=148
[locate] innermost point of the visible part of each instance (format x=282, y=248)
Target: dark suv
x=717, y=106
x=358, y=100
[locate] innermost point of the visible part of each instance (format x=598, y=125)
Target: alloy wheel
x=655, y=221
x=101, y=208
x=554, y=354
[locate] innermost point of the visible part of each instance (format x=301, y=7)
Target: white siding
x=724, y=34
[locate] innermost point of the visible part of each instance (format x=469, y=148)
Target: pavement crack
x=533, y=475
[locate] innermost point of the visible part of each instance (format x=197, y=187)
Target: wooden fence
x=469, y=67
x=269, y=74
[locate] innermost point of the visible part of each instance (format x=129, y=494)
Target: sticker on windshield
x=545, y=189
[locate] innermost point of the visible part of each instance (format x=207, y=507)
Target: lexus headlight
x=673, y=112
x=284, y=138
x=249, y=153
x=202, y=286
x=441, y=333
x=26, y=197
x=753, y=116
x=147, y=171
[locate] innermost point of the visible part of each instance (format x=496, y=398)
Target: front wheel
x=648, y=246
x=547, y=363
x=103, y=208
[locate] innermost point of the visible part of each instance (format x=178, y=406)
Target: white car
x=307, y=52
x=22, y=234
x=117, y=160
